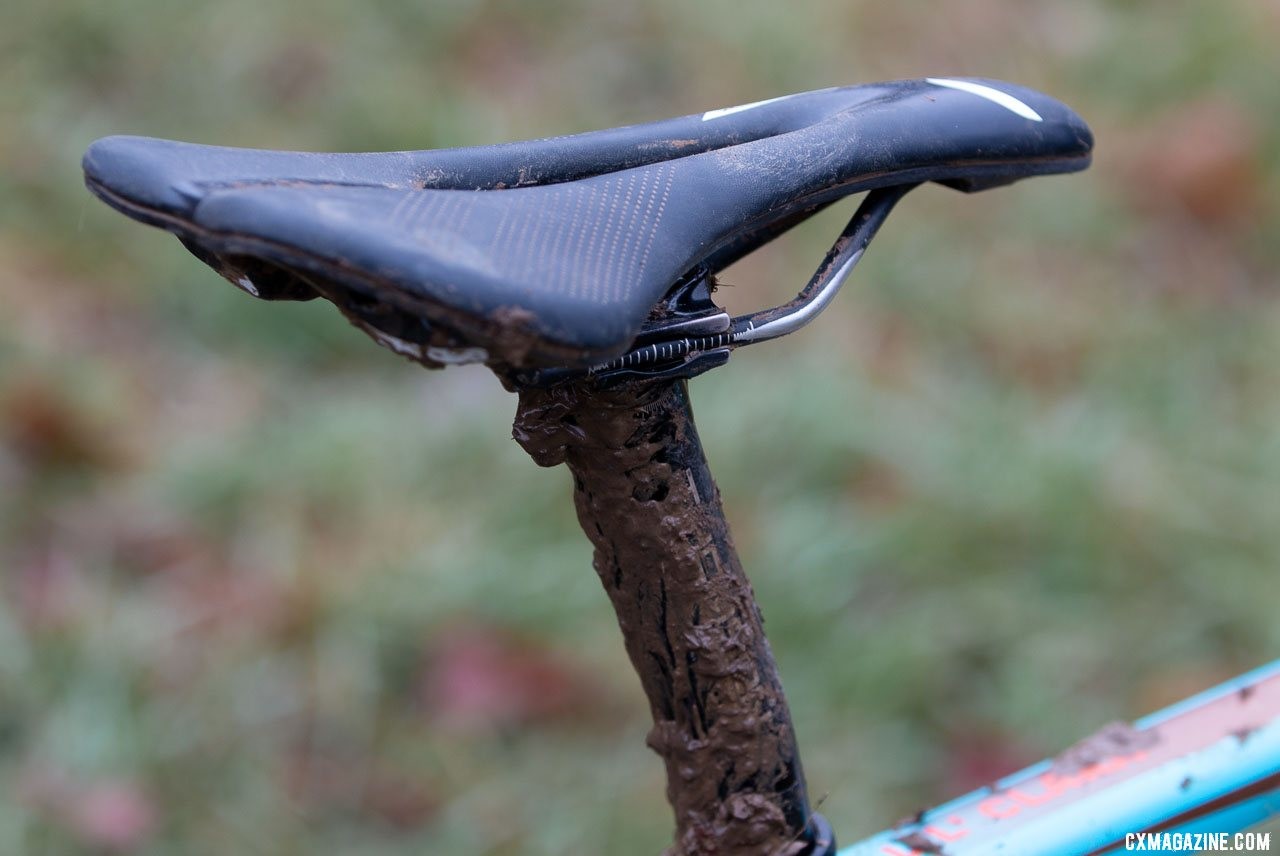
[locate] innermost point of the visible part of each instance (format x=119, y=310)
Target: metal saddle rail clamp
x=694, y=335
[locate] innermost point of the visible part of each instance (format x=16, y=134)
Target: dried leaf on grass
x=483, y=678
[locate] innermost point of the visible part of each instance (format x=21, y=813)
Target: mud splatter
x=920, y=843
x=1116, y=738
x=688, y=616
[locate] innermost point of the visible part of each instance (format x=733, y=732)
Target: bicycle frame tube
x=1209, y=765
x=646, y=500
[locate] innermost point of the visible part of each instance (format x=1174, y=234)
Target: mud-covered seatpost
x=689, y=619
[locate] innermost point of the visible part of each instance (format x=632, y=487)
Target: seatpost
x=693, y=631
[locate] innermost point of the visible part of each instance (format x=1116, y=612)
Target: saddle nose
x=150, y=173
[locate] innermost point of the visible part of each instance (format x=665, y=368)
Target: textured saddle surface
x=554, y=251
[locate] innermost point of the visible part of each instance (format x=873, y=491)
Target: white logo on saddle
x=1004, y=99
x=729, y=111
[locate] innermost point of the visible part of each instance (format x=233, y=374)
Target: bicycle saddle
x=555, y=252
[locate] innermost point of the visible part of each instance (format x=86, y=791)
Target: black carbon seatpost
x=694, y=633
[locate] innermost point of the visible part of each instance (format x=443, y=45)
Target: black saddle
x=555, y=253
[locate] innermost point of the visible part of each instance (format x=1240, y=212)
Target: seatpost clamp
x=688, y=334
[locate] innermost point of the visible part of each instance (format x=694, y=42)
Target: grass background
x=265, y=588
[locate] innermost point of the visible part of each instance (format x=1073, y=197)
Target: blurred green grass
x=267, y=588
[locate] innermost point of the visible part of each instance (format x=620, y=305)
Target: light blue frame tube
x=1207, y=765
